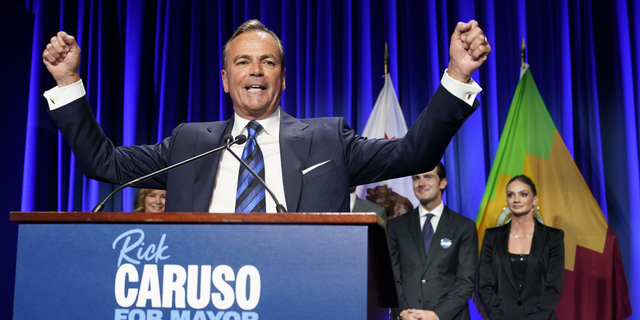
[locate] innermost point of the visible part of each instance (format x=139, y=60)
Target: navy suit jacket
x=353, y=160
x=443, y=281
x=543, y=275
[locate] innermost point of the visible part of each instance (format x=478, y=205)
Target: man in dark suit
x=435, y=283
x=359, y=205
x=309, y=163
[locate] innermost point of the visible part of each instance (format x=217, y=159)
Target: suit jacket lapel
x=415, y=232
x=295, y=142
x=538, y=244
x=502, y=240
x=206, y=169
x=444, y=226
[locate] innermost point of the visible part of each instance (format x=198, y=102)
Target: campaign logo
x=129, y=246
x=196, y=292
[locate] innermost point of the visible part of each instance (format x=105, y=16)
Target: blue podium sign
x=126, y=271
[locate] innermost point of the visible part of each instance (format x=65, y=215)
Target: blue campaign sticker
x=445, y=243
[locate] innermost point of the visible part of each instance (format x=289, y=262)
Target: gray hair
x=253, y=25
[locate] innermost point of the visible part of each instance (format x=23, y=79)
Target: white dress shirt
x=224, y=191
x=437, y=214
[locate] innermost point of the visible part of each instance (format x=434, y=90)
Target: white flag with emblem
x=387, y=121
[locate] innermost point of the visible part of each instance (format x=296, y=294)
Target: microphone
x=228, y=140
x=241, y=137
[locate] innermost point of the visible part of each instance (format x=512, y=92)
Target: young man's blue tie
x=427, y=234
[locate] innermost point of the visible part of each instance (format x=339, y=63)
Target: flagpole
x=386, y=59
x=523, y=53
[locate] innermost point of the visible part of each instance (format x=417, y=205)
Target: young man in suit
x=309, y=164
x=435, y=283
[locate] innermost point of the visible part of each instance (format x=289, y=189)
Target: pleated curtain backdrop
x=149, y=65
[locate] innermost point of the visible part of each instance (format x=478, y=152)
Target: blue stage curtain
x=149, y=65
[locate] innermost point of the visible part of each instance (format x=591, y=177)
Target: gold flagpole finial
x=523, y=53
x=386, y=59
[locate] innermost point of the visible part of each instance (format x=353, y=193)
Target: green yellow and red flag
x=594, y=284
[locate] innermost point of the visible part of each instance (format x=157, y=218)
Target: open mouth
x=255, y=88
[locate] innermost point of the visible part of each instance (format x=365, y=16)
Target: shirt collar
x=437, y=211
x=270, y=124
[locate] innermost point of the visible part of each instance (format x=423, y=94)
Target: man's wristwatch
x=399, y=317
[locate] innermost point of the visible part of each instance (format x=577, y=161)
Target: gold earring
x=536, y=214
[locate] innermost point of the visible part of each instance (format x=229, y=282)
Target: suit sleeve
x=554, y=279
x=420, y=150
x=458, y=298
x=487, y=281
x=395, y=263
x=96, y=154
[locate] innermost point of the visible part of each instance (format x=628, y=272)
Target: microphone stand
x=100, y=206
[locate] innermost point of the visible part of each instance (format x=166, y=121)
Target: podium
x=202, y=266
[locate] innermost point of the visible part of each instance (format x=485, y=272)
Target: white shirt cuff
x=467, y=92
x=61, y=96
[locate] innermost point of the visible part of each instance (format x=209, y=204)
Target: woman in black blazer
x=522, y=262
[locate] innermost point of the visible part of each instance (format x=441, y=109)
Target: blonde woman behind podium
x=150, y=200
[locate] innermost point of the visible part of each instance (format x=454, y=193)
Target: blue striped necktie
x=250, y=196
x=427, y=234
